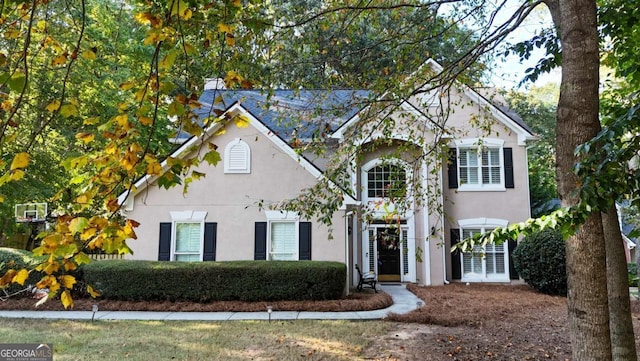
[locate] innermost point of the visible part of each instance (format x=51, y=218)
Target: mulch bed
x=356, y=301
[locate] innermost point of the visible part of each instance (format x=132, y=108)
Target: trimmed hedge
x=540, y=261
x=217, y=281
x=12, y=258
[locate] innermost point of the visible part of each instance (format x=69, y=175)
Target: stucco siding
x=234, y=202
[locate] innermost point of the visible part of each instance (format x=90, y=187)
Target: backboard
x=31, y=212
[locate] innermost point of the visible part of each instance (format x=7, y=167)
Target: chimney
x=213, y=83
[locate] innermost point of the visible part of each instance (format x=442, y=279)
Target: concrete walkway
x=403, y=302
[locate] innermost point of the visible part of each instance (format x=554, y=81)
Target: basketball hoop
x=31, y=212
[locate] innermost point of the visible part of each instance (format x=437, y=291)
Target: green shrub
x=540, y=261
x=11, y=258
x=632, y=274
x=217, y=281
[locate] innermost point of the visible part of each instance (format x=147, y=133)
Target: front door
x=388, y=242
x=387, y=250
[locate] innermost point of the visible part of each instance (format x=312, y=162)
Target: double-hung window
x=188, y=241
x=480, y=164
x=488, y=263
x=188, y=236
x=283, y=239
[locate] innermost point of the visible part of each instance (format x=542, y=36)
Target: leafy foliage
x=537, y=108
x=12, y=262
x=540, y=261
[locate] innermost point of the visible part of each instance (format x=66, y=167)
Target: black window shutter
x=210, y=230
x=305, y=241
x=508, y=168
x=513, y=274
x=456, y=267
x=452, y=169
x=260, y=250
x=164, y=249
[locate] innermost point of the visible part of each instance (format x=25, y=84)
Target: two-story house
x=459, y=157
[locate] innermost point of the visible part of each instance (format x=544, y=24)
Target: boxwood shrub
x=12, y=258
x=217, y=281
x=540, y=261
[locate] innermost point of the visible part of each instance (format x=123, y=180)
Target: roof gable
x=234, y=110
x=499, y=111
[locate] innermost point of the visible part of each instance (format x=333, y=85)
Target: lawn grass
x=181, y=340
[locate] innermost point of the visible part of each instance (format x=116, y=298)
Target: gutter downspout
x=444, y=253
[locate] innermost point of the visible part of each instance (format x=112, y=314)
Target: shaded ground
x=457, y=322
x=479, y=322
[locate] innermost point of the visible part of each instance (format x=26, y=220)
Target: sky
x=510, y=71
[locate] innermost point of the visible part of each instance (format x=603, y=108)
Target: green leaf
x=176, y=109
x=212, y=157
x=78, y=225
x=17, y=82
x=168, y=180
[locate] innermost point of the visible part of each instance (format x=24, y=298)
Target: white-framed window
x=187, y=238
x=237, y=157
x=480, y=164
x=484, y=264
x=386, y=181
x=282, y=235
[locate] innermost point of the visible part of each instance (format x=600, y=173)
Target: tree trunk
x=622, y=338
x=578, y=122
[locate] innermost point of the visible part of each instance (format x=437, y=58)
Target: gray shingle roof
x=285, y=112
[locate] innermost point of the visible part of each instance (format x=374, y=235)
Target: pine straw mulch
x=356, y=301
x=482, y=322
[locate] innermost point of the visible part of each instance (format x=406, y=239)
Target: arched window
x=237, y=157
x=386, y=181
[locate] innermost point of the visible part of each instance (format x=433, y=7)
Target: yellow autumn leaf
x=127, y=85
x=225, y=28
x=68, y=281
x=91, y=121
x=89, y=54
x=68, y=110
x=241, y=121
x=20, y=161
x=17, y=175
x=221, y=131
x=2, y=198
x=93, y=292
x=85, y=137
x=88, y=233
x=53, y=106
x=82, y=258
x=236, y=3
x=154, y=168
x=21, y=277
x=145, y=120
x=122, y=119
x=66, y=299
x=230, y=39
x=82, y=199
x=59, y=60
